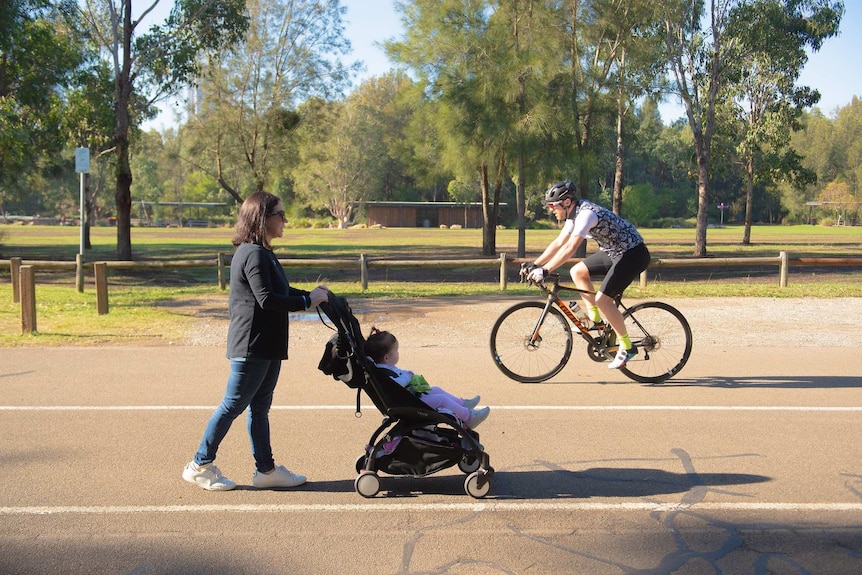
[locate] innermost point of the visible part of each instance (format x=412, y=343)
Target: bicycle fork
x=535, y=337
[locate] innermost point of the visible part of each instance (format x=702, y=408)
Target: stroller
x=413, y=440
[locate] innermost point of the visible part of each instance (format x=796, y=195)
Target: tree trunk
x=702, y=205
x=123, y=193
x=123, y=197
x=490, y=207
x=618, y=158
x=749, y=200
x=521, y=200
x=483, y=185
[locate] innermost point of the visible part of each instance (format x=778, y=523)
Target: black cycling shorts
x=619, y=274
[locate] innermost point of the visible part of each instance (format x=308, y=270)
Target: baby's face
x=392, y=356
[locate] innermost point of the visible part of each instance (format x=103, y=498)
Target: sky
x=834, y=70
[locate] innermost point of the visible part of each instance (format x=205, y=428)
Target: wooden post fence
x=100, y=270
x=363, y=271
x=222, y=275
x=15, y=269
x=28, y=300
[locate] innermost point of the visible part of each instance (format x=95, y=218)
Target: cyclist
x=621, y=258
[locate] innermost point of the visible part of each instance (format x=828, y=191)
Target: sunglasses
x=279, y=214
x=554, y=204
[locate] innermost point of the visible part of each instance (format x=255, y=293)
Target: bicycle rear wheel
x=524, y=358
x=663, y=338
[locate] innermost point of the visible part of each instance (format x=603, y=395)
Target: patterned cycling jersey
x=614, y=234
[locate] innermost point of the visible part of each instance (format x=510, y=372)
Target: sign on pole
x=82, y=166
x=82, y=160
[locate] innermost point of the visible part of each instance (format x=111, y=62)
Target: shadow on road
x=782, y=382
x=554, y=483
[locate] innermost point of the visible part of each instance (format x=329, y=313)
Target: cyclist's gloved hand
x=538, y=275
x=526, y=268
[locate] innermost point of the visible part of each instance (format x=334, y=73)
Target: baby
x=382, y=348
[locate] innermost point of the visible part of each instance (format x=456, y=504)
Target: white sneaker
x=623, y=355
x=209, y=477
x=278, y=477
x=472, y=402
x=477, y=416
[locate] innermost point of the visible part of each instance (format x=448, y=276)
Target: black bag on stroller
x=414, y=439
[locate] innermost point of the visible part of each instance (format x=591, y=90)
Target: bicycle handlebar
x=554, y=279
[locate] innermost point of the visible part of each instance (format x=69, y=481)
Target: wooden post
x=782, y=271
x=79, y=272
x=643, y=279
x=15, y=268
x=222, y=284
x=28, y=300
x=363, y=271
x=101, y=271
x=503, y=278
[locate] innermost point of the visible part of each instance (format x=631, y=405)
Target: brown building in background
x=424, y=214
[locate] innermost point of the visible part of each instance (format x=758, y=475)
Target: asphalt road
x=748, y=462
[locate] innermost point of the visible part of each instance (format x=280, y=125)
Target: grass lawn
x=61, y=243
x=142, y=303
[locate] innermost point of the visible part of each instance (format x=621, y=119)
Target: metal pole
x=81, y=248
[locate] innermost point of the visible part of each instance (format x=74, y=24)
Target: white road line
x=490, y=506
x=814, y=408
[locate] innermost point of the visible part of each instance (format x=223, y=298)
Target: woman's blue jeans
x=250, y=385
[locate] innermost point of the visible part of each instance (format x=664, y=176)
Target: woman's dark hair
x=378, y=344
x=251, y=222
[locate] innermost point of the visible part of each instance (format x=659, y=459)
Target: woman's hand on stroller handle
x=318, y=295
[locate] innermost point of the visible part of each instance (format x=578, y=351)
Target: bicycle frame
x=553, y=298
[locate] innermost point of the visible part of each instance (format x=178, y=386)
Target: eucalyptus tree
x=390, y=98
x=707, y=51
x=847, y=145
x=463, y=192
x=342, y=154
x=245, y=116
x=639, y=67
x=482, y=64
x=151, y=64
x=40, y=54
x=773, y=38
x=831, y=147
x=701, y=57
x=448, y=47
x=423, y=160
x=524, y=29
x=592, y=35
x=837, y=198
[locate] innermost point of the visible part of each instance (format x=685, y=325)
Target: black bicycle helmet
x=560, y=191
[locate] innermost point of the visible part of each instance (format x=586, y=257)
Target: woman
x=260, y=299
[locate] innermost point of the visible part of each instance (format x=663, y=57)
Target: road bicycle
x=532, y=340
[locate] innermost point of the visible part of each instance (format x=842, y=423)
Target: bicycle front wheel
x=528, y=347
x=663, y=339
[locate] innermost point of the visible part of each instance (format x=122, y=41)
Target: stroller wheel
x=367, y=484
x=471, y=485
x=469, y=463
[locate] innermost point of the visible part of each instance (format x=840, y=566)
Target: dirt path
x=449, y=322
